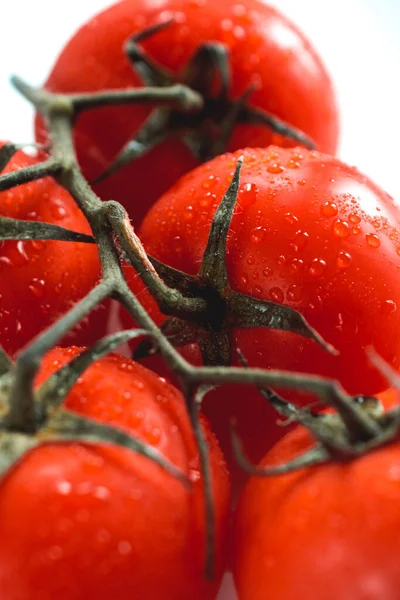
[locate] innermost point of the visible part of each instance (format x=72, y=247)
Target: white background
x=358, y=40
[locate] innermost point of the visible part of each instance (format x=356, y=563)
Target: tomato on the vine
x=265, y=51
x=86, y=520
x=308, y=232
x=322, y=532
x=41, y=280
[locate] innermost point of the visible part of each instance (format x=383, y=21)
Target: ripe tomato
x=309, y=232
x=40, y=280
x=265, y=49
x=82, y=520
x=324, y=532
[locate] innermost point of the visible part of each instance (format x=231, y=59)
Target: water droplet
x=301, y=182
x=37, y=287
x=267, y=272
x=258, y=234
x=296, y=265
x=55, y=553
x=275, y=168
x=194, y=475
x=317, y=267
x=292, y=164
x=343, y=260
x=276, y=294
x=239, y=32
x=353, y=218
x=124, y=547
x=58, y=211
x=291, y=219
x=300, y=241
x=388, y=307
x=63, y=487
x=258, y=290
x=373, y=240
x=210, y=182
x=376, y=224
x=250, y=260
x=341, y=229
x=329, y=209
x=226, y=24
x=188, y=214
x=281, y=260
x=355, y=230
x=294, y=293
x=101, y=492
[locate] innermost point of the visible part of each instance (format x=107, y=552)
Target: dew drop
x=37, y=287
x=258, y=234
x=329, y=209
x=64, y=487
x=268, y=272
x=275, y=168
x=373, y=240
x=58, y=211
x=124, y=547
x=341, y=229
x=301, y=182
x=250, y=260
x=355, y=219
x=296, y=265
x=343, y=260
x=291, y=219
x=292, y=164
x=388, y=307
x=317, y=267
x=294, y=293
x=300, y=241
x=194, y=475
x=355, y=230
x=281, y=260
x=276, y=294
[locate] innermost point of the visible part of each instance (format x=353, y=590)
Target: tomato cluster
x=256, y=248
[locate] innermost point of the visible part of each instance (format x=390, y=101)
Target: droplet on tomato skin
x=343, y=260
x=317, y=267
x=293, y=164
x=251, y=260
x=258, y=235
x=329, y=209
x=294, y=293
x=355, y=230
x=58, y=211
x=388, y=307
x=341, y=229
x=64, y=487
x=373, y=240
x=291, y=219
x=124, y=547
x=296, y=265
x=268, y=272
x=301, y=182
x=355, y=219
x=300, y=241
x=281, y=260
x=37, y=287
x=275, y=168
x=276, y=294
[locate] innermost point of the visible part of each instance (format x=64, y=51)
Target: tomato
x=83, y=520
x=40, y=280
x=324, y=532
x=266, y=50
x=309, y=232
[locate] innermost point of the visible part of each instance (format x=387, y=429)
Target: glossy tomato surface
x=266, y=50
x=84, y=520
x=325, y=532
x=308, y=231
x=41, y=280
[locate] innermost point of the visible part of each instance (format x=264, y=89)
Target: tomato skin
x=324, y=532
x=308, y=231
x=83, y=520
x=40, y=280
x=266, y=50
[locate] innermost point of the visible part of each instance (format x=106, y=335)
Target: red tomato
x=308, y=231
x=40, y=280
x=325, y=532
x=82, y=521
x=265, y=49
